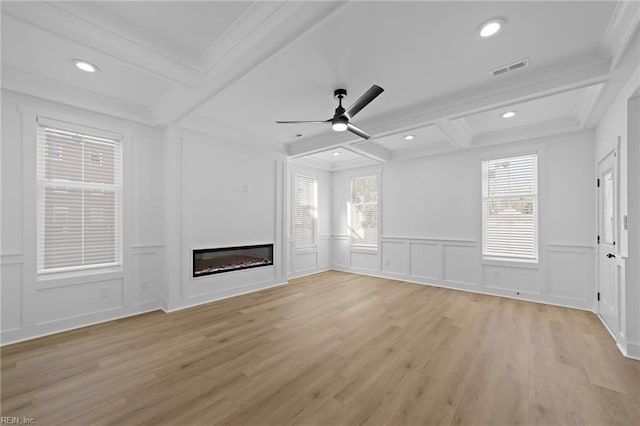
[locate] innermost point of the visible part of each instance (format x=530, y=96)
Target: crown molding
x=41, y=87
x=623, y=25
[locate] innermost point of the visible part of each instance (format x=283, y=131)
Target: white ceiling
x=232, y=69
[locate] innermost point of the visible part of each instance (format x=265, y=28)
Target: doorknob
x=610, y=255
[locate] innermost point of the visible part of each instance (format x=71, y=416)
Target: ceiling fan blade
x=364, y=100
x=358, y=131
x=294, y=122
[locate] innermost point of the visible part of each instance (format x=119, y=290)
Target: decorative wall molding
x=458, y=264
x=11, y=258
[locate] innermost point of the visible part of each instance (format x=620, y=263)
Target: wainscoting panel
x=460, y=263
x=65, y=302
x=364, y=261
x=340, y=252
x=305, y=261
x=11, y=296
x=425, y=261
x=570, y=273
x=324, y=252
x=147, y=273
x=513, y=279
x=564, y=276
x=394, y=257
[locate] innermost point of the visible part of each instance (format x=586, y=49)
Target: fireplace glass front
x=218, y=260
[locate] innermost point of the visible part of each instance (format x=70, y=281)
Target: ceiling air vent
x=511, y=67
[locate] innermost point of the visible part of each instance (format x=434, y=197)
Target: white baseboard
x=471, y=288
x=308, y=272
x=226, y=294
x=11, y=337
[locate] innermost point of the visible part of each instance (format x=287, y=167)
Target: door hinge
x=598, y=183
x=598, y=295
x=598, y=239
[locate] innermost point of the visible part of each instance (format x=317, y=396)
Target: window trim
x=365, y=248
x=121, y=192
x=539, y=180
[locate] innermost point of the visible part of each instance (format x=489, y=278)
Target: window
x=79, y=193
x=306, y=211
x=510, y=205
x=364, y=211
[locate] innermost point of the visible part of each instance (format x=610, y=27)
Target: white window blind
x=79, y=193
x=510, y=205
x=364, y=211
x=306, y=211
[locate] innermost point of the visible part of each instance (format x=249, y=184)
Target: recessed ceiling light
x=509, y=114
x=85, y=66
x=492, y=27
x=409, y=137
x=336, y=153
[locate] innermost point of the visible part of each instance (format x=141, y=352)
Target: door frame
x=616, y=228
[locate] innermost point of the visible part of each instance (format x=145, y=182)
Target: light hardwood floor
x=332, y=348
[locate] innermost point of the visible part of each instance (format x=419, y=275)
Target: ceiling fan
x=341, y=118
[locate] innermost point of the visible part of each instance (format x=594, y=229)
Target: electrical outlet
x=387, y=262
x=144, y=286
x=496, y=275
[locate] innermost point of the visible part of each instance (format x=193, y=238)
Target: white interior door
x=608, y=304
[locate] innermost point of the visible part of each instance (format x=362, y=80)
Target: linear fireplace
x=226, y=259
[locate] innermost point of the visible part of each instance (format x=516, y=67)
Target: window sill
x=509, y=262
x=364, y=249
x=305, y=250
x=67, y=278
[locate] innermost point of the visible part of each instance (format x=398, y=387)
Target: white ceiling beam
x=457, y=132
x=627, y=69
x=624, y=23
x=225, y=133
x=53, y=18
x=531, y=131
x=524, y=87
x=371, y=150
x=53, y=90
x=286, y=24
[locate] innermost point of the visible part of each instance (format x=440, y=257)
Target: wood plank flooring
x=329, y=349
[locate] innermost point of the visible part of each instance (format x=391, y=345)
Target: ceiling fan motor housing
x=340, y=93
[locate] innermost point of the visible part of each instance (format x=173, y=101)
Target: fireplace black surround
x=226, y=259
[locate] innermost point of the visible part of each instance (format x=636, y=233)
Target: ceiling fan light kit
x=341, y=117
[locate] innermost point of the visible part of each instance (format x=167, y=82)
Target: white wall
x=32, y=306
x=431, y=224
x=218, y=194
x=616, y=128
x=314, y=259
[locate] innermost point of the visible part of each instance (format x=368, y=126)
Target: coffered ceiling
x=231, y=69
